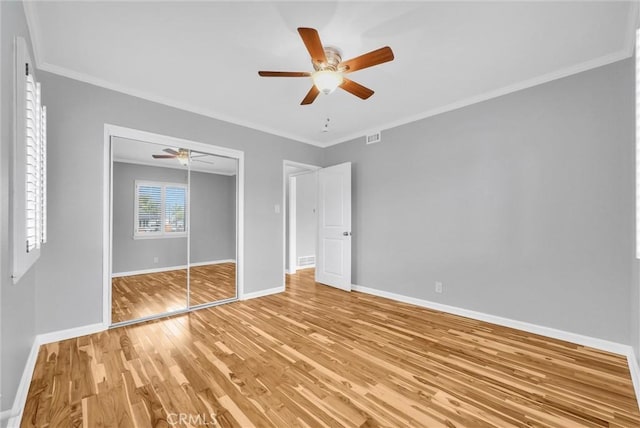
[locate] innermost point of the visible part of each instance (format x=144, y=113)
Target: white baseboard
x=593, y=342
x=313, y=266
x=5, y=414
x=14, y=422
x=634, y=369
x=169, y=268
x=262, y=293
x=70, y=333
x=213, y=262
x=579, y=339
x=147, y=271
x=15, y=414
x=23, y=387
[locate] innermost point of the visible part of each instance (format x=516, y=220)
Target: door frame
x=285, y=232
x=292, y=232
x=107, y=225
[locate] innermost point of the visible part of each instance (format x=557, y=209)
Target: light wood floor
x=212, y=283
x=317, y=356
x=140, y=296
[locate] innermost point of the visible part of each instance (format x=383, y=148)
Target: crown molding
x=82, y=77
x=33, y=25
x=545, y=78
x=632, y=26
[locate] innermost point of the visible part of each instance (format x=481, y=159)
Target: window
x=160, y=210
x=30, y=167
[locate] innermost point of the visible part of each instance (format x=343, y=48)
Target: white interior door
x=333, y=258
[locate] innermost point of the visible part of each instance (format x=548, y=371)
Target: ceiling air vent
x=374, y=138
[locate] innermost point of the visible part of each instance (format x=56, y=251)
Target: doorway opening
x=324, y=197
x=300, y=216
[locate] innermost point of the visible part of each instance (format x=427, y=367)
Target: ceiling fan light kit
x=184, y=160
x=330, y=69
x=327, y=80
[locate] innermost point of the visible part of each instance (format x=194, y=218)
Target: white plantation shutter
x=35, y=165
x=174, y=217
x=32, y=132
x=30, y=167
x=160, y=209
x=149, y=209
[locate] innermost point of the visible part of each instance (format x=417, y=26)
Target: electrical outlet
x=438, y=287
x=155, y=259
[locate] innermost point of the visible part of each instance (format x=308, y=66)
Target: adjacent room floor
x=317, y=356
x=139, y=296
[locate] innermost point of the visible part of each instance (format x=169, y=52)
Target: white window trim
x=161, y=234
x=23, y=256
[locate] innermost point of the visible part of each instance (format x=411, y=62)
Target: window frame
x=162, y=233
x=29, y=142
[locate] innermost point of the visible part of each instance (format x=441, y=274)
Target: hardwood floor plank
x=315, y=356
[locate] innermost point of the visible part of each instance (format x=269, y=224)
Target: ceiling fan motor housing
x=334, y=57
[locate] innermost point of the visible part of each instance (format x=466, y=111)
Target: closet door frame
x=143, y=136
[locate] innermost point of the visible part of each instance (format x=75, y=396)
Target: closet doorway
x=175, y=226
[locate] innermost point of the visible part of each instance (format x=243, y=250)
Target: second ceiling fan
x=182, y=155
x=330, y=69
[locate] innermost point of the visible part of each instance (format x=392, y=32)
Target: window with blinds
x=35, y=165
x=29, y=184
x=160, y=210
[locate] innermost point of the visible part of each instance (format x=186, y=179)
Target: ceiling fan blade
x=163, y=156
x=356, y=89
x=313, y=44
x=284, y=73
x=370, y=59
x=311, y=96
x=173, y=152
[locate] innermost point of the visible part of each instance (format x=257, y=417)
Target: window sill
x=163, y=236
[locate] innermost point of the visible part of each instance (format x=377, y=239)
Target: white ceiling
x=139, y=152
x=204, y=56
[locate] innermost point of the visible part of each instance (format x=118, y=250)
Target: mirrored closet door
x=174, y=230
x=212, y=244
x=149, y=231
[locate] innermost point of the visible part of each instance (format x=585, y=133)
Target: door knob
x=346, y=233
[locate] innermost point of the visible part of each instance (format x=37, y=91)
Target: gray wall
x=523, y=205
x=213, y=217
x=18, y=302
x=306, y=215
x=69, y=291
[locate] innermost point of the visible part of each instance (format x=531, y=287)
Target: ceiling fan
x=182, y=155
x=330, y=69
